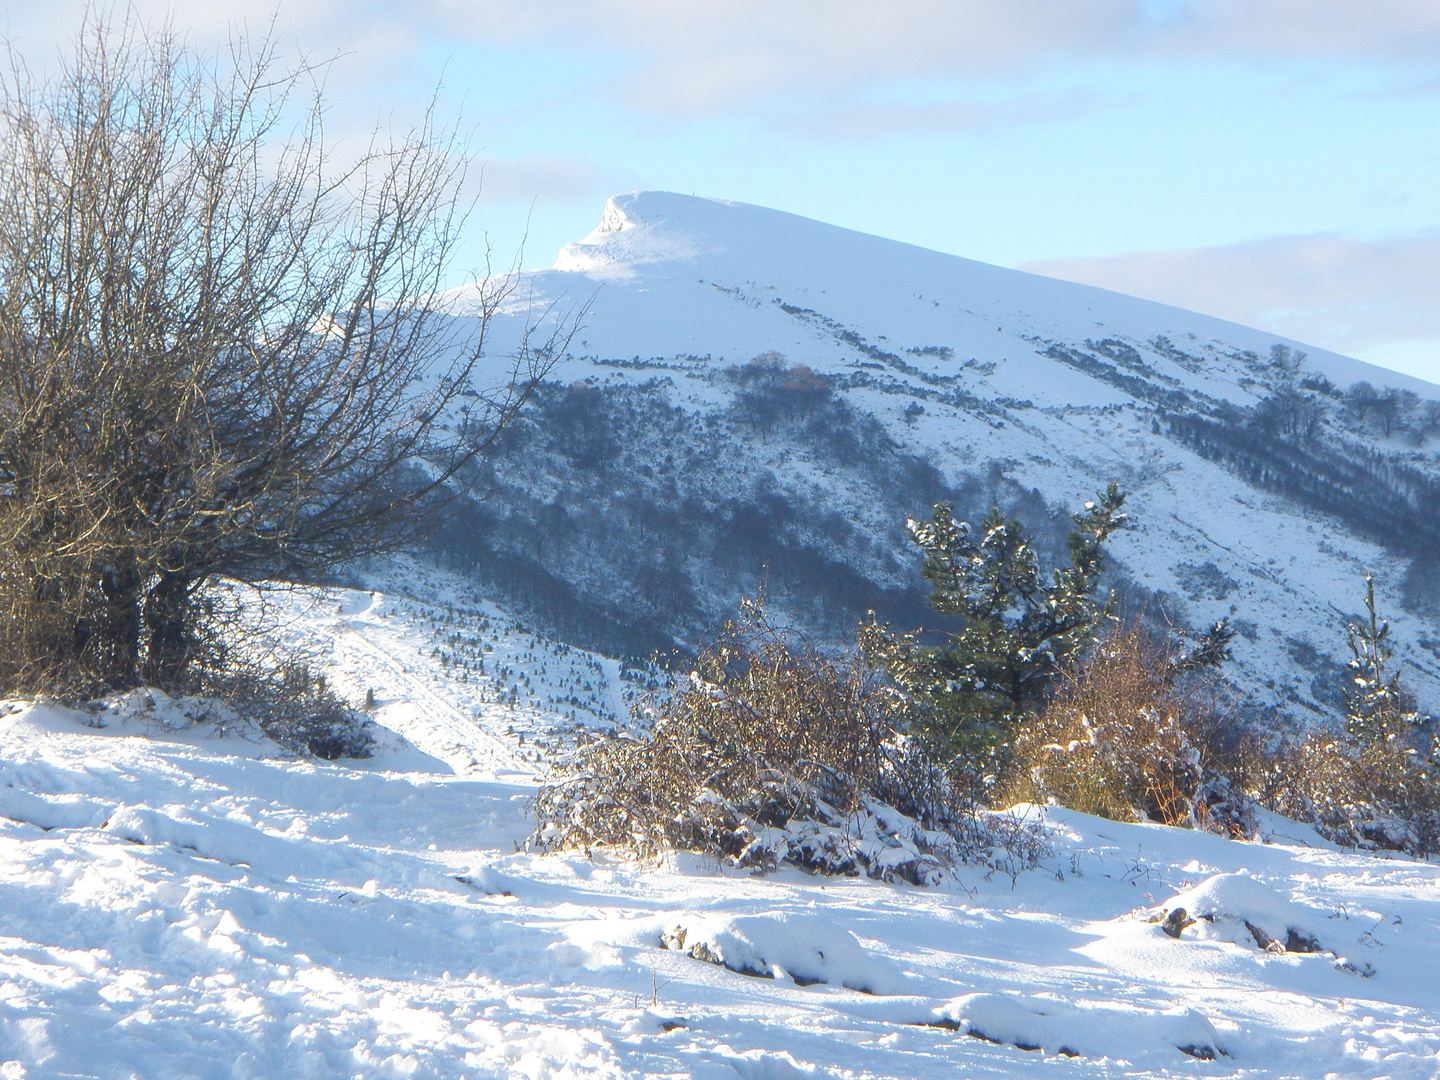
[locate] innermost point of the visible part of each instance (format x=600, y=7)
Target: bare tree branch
x=220, y=352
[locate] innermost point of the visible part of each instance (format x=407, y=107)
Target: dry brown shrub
x=1128, y=735
x=296, y=708
x=222, y=351
x=766, y=732
x=1382, y=795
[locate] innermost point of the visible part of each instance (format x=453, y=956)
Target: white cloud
x=701, y=55
x=712, y=53
x=1385, y=28
x=1370, y=298
x=695, y=56
x=541, y=179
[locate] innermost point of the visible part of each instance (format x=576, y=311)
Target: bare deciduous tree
x=220, y=353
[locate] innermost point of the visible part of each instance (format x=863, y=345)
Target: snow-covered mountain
x=754, y=396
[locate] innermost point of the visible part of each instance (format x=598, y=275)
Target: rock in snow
x=1240, y=909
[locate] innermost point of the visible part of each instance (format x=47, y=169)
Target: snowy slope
x=978, y=371
x=178, y=902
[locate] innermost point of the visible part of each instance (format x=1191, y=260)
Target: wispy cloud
x=541, y=179
x=1350, y=295
x=705, y=55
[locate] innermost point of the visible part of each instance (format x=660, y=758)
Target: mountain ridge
x=678, y=228
x=758, y=398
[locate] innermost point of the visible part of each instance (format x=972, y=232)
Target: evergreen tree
x=1018, y=629
x=1377, y=706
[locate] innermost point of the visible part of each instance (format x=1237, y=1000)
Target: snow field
x=466, y=682
x=177, y=902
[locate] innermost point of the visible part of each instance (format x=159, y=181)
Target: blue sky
x=1272, y=161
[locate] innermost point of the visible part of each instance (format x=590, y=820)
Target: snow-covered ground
x=178, y=901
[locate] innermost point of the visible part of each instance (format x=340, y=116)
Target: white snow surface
x=179, y=899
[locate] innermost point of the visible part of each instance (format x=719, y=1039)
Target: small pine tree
x=1018, y=630
x=1377, y=706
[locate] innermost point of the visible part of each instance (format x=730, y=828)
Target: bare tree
x=220, y=353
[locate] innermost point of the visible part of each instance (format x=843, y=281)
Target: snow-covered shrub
x=1376, y=785
x=1130, y=734
x=769, y=753
x=294, y=707
x=1382, y=795
x=807, y=949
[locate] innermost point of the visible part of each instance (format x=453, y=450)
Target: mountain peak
x=689, y=247
x=644, y=227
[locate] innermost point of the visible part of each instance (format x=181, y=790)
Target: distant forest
x=1301, y=442
x=629, y=523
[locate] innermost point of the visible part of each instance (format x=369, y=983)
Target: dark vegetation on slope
x=1127, y=720
x=624, y=522
x=1353, y=454
x=1302, y=442
x=1124, y=370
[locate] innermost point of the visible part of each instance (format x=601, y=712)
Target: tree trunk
x=113, y=642
x=167, y=624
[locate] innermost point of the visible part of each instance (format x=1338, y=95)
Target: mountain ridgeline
x=755, y=400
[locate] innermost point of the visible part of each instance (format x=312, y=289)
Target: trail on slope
x=424, y=717
x=459, y=679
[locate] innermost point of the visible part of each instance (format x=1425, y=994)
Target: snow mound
x=1060, y=1028
x=52, y=811
x=1240, y=909
x=210, y=836
x=807, y=949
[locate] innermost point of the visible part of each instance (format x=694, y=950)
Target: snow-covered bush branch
x=769, y=752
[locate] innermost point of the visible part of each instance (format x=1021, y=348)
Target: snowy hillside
x=665, y=471
x=178, y=900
